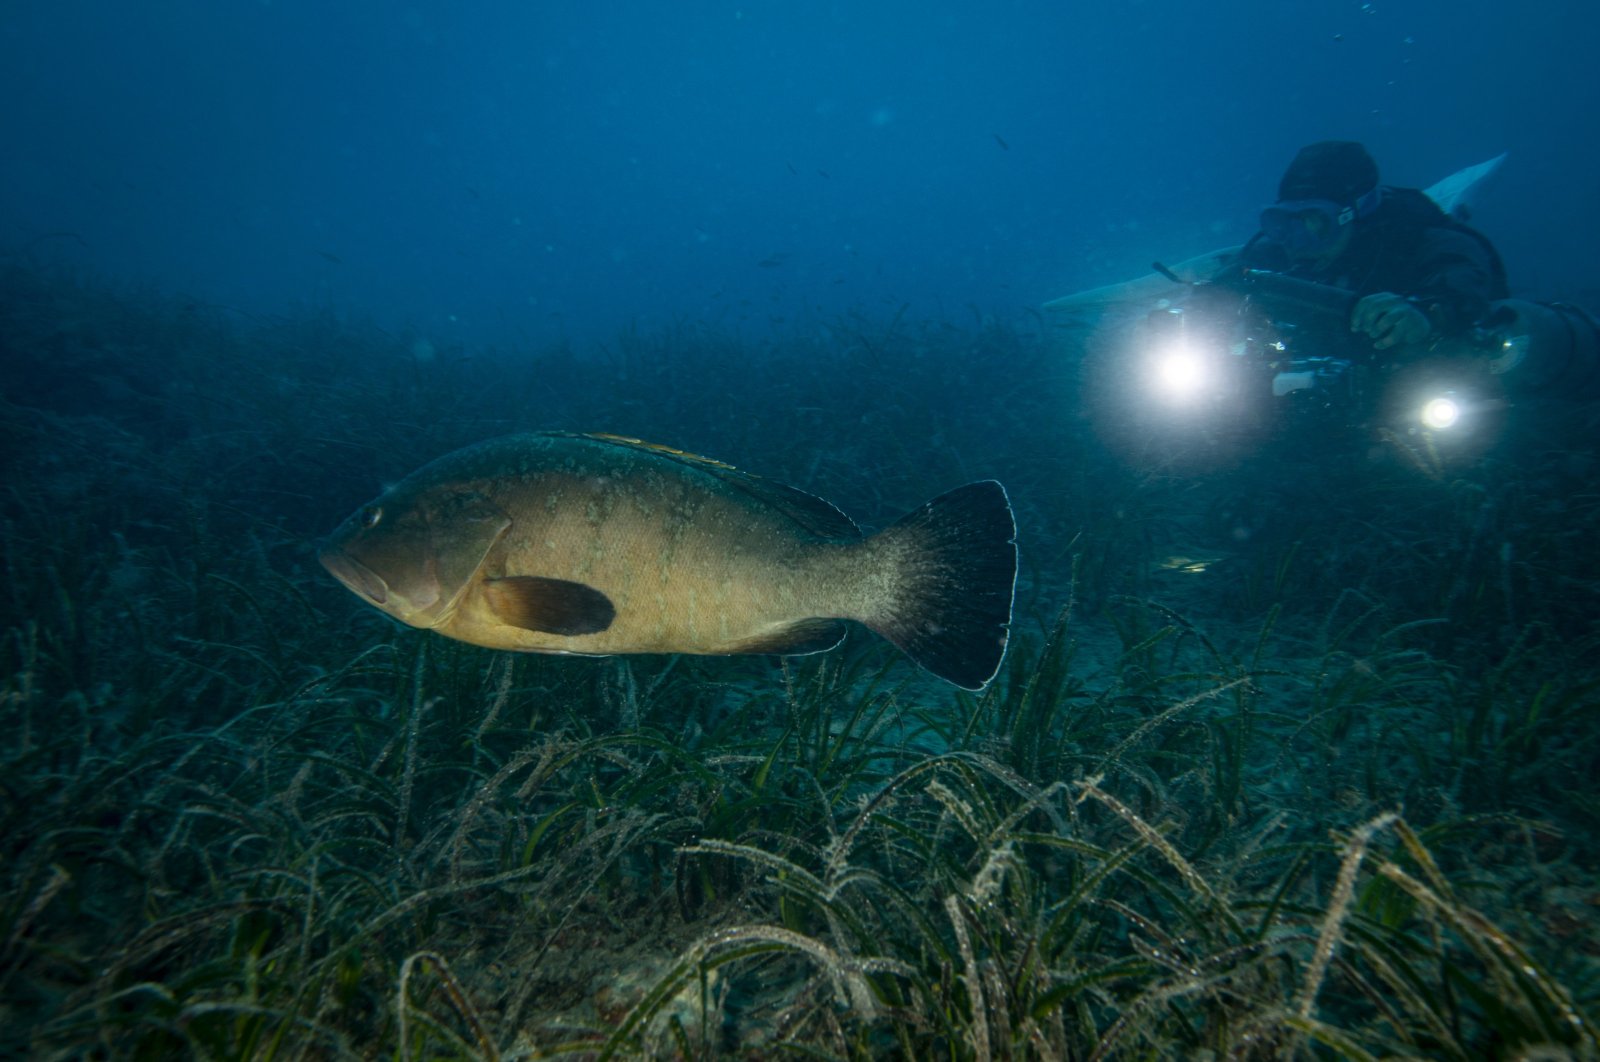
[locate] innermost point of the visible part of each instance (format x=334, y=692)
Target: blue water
x=261, y=258
x=513, y=173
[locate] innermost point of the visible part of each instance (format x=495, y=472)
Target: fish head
x=412, y=552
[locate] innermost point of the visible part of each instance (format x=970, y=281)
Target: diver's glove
x=1391, y=320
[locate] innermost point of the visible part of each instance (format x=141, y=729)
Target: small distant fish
x=773, y=261
x=824, y=174
x=330, y=256
x=998, y=139
x=598, y=544
x=473, y=192
x=792, y=169
x=1189, y=564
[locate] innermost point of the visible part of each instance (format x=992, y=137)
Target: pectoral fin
x=552, y=606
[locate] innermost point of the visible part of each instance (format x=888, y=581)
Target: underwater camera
x=1255, y=355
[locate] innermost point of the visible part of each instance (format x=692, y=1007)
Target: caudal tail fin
x=956, y=571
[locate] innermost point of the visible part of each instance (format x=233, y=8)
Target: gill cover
x=425, y=550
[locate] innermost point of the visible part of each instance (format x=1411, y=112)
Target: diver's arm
x=1391, y=320
x=1457, y=281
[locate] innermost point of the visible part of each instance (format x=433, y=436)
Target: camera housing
x=1252, y=361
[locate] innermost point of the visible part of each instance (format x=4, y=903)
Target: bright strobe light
x=1440, y=413
x=1180, y=373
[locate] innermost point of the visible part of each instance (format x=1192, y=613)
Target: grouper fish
x=594, y=544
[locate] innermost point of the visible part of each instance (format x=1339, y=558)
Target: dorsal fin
x=657, y=448
x=817, y=515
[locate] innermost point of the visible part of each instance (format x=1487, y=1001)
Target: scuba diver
x=1421, y=275
x=1359, y=312
x=1425, y=283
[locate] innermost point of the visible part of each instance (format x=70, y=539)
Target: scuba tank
x=1544, y=345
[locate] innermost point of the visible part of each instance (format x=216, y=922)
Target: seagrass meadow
x=1293, y=758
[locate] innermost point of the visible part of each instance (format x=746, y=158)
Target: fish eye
x=370, y=517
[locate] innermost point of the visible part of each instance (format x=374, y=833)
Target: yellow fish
x=594, y=544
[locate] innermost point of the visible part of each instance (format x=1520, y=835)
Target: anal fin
x=795, y=639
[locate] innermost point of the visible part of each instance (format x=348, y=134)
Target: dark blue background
x=499, y=171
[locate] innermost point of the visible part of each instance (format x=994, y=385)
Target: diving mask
x=1308, y=228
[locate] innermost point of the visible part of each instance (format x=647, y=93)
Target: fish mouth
x=355, y=575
